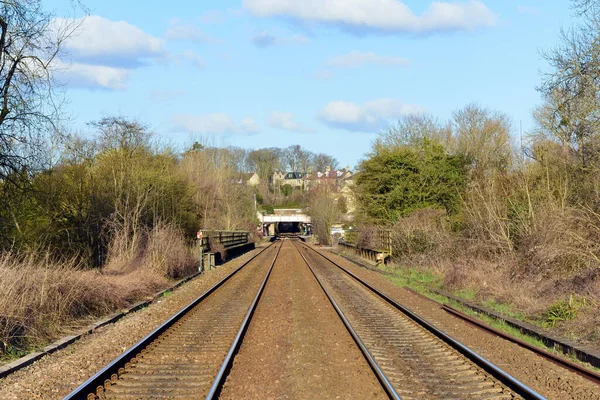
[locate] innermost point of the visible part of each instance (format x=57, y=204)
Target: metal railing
x=227, y=239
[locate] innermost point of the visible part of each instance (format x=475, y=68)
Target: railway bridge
x=288, y=220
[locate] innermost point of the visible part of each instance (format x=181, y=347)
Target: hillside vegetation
x=517, y=224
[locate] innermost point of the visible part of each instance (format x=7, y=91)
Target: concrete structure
x=285, y=218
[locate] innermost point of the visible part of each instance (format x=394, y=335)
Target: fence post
x=200, y=238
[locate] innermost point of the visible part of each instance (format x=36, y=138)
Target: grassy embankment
x=41, y=299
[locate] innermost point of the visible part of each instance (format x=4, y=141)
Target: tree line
x=513, y=220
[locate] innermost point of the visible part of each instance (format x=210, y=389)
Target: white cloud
x=103, y=53
x=179, y=31
x=248, y=125
x=91, y=76
x=368, y=117
x=218, y=123
x=285, y=121
x=380, y=15
x=358, y=59
x=101, y=41
x=529, y=10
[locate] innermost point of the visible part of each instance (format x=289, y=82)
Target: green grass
x=467, y=294
x=563, y=310
x=503, y=308
x=10, y=353
x=412, y=277
x=422, y=281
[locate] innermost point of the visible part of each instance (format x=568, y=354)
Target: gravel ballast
x=296, y=346
x=56, y=375
x=540, y=374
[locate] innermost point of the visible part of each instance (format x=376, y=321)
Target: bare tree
x=572, y=87
x=483, y=136
x=321, y=161
x=324, y=212
x=29, y=103
x=265, y=162
x=413, y=128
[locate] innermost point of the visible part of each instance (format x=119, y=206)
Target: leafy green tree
x=395, y=181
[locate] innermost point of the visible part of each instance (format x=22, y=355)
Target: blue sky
x=325, y=74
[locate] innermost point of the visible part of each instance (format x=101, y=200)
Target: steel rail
x=514, y=384
x=217, y=385
x=383, y=379
x=578, y=369
x=105, y=374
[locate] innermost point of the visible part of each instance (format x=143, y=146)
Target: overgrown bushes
x=39, y=296
x=110, y=223
x=424, y=231
x=515, y=228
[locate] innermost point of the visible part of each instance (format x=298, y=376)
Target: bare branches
x=572, y=88
x=29, y=105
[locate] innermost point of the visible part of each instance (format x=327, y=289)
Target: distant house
x=294, y=179
x=278, y=177
x=336, y=179
x=249, y=178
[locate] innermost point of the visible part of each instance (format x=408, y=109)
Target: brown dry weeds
x=40, y=296
x=557, y=260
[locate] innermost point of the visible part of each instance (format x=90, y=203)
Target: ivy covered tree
x=395, y=181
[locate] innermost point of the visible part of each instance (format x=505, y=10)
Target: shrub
x=166, y=252
x=563, y=310
x=396, y=181
x=423, y=231
x=38, y=296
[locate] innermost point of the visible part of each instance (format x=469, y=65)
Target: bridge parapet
x=286, y=218
x=227, y=239
x=288, y=215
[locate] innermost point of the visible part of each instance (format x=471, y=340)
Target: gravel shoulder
x=56, y=375
x=547, y=378
x=296, y=346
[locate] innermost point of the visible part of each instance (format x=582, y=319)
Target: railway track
x=187, y=356
x=412, y=359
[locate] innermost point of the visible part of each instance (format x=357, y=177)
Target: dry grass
x=39, y=296
x=423, y=232
x=556, y=261
x=161, y=251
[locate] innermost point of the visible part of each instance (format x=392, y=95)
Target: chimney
x=328, y=168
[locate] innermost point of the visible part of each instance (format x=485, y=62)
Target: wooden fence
x=379, y=240
x=372, y=245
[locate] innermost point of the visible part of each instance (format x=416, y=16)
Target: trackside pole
x=199, y=236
